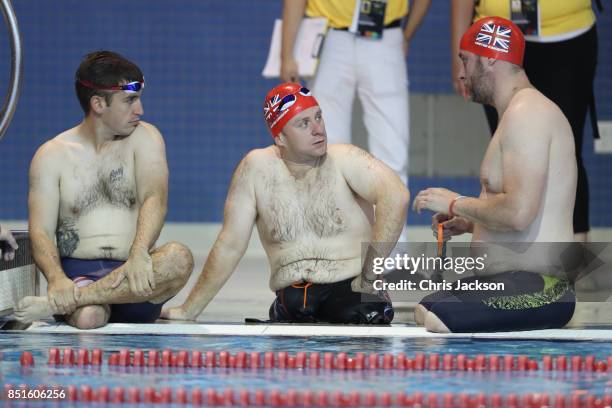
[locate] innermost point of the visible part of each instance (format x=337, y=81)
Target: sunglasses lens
x=133, y=86
x=286, y=102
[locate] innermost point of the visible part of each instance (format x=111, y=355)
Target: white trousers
x=376, y=69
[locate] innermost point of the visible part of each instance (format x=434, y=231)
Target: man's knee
x=89, y=317
x=179, y=262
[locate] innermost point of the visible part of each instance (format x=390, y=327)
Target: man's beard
x=481, y=86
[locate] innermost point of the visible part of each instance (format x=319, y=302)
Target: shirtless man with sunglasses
x=314, y=205
x=97, y=203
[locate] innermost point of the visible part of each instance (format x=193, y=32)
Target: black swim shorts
x=331, y=302
x=528, y=301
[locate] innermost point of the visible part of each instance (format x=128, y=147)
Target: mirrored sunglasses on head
x=289, y=100
x=131, y=87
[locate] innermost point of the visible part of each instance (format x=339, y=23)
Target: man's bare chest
x=491, y=169
x=294, y=209
x=90, y=183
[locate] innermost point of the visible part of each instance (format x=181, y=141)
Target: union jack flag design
x=495, y=37
x=271, y=106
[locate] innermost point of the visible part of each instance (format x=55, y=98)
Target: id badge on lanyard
x=369, y=18
x=526, y=15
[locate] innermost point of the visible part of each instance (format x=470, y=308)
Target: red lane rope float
x=311, y=398
x=329, y=361
x=26, y=359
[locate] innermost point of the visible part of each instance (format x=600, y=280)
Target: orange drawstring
x=440, y=238
x=304, y=286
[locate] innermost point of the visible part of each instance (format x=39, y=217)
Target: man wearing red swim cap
x=313, y=205
x=528, y=178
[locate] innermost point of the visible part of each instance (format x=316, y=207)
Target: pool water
x=12, y=345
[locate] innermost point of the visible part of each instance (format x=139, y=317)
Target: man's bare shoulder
x=346, y=152
x=260, y=159
x=531, y=107
x=54, y=149
x=253, y=167
x=530, y=114
x=146, y=132
x=349, y=155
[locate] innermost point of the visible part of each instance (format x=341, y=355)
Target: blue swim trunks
x=86, y=271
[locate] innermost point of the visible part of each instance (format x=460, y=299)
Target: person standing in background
x=560, y=61
x=365, y=51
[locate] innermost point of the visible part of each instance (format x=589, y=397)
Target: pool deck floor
x=247, y=294
x=316, y=330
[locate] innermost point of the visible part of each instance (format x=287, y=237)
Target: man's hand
x=176, y=313
x=11, y=245
x=138, y=269
x=406, y=46
x=289, y=71
x=63, y=295
x=434, y=199
x=366, y=287
x=361, y=285
x=452, y=226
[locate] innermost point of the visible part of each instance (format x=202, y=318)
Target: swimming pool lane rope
x=309, y=398
x=315, y=360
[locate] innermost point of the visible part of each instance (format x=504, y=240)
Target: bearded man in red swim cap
x=523, y=215
x=314, y=205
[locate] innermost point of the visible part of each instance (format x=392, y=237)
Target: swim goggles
x=131, y=87
x=289, y=100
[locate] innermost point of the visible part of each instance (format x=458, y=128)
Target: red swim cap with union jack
x=284, y=102
x=495, y=37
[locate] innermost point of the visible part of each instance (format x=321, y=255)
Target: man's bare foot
x=32, y=308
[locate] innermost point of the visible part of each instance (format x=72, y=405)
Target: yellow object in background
x=339, y=13
x=557, y=17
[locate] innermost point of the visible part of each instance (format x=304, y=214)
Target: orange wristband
x=452, y=204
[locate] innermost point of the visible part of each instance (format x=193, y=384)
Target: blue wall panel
x=202, y=60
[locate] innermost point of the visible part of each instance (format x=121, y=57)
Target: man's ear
x=97, y=103
x=280, y=140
